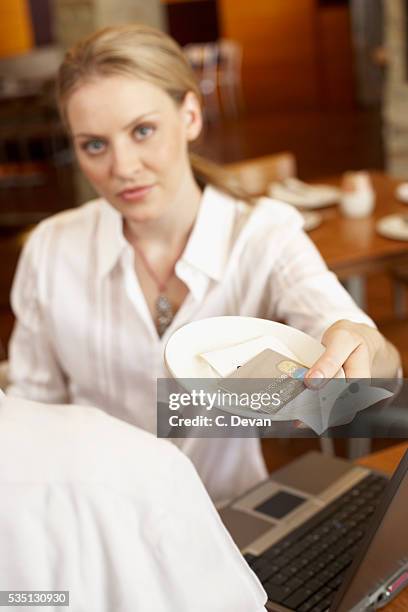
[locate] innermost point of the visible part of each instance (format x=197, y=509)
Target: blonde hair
x=145, y=53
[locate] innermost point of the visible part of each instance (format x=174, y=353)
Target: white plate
x=187, y=343
x=401, y=192
x=311, y=220
x=301, y=194
x=184, y=347
x=393, y=226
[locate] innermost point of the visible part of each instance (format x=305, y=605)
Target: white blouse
x=93, y=506
x=84, y=333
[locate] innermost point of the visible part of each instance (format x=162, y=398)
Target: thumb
x=339, y=344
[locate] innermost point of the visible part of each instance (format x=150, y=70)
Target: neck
x=174, y=226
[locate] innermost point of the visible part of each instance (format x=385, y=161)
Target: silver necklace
x=163, y=306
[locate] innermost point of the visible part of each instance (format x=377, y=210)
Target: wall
x=396, y=90
x=15, y=29
x=77, y=18
x=335, y=57
x=110, y=12
x=41, y=20
x=296, y=53
x=279, y=60
x=193, y=21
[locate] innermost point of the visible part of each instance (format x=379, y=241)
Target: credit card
x=268, y=372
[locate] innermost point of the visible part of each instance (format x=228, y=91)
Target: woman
x=99, y=289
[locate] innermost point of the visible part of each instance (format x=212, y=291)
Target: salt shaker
x=357, y=195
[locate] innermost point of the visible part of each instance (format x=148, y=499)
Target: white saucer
x=401, y=192
x=311, y=220
x=183, y=349
x=187, y=343
x=393, y=226
x=303, y=195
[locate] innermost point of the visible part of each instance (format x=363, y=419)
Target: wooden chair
x=3, y=374
x=399, y=276
x=396, y=331
x=255, y=175
x=229, y=77
x=10, y=249
x=217, y=66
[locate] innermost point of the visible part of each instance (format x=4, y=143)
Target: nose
x=126, y=162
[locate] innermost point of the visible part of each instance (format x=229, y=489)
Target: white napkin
x=225, y=361
x=301, y=194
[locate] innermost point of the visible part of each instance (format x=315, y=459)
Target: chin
x=142, y=214
x=148, y=209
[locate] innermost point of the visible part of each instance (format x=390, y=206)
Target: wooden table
x=387, y=461
x=352, y=246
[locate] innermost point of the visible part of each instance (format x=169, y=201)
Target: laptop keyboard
x=304, y=570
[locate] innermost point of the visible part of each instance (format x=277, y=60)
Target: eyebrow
x=126, y=127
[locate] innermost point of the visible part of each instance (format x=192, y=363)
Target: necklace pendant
x=164, y=312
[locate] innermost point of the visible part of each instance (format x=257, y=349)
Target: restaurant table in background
x=352, y=248
x=387, y=461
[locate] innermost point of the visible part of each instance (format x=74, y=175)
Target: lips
x=135, y=193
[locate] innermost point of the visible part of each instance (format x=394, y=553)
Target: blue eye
x=94, y=146
x=143, y=131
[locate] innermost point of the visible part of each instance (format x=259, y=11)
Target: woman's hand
x=357, y=348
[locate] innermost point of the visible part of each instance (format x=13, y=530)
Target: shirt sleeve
x=202, y=569
x=34, y=371
x=306, y=294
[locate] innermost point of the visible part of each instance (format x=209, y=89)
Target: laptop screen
x=384, y=551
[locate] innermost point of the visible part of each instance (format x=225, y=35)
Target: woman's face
x=131, y=143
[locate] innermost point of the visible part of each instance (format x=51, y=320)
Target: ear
x=191, y=115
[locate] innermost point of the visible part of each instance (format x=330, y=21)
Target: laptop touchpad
x=243, y=527
x=280, y=504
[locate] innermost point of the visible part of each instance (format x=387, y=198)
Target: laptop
x=323, y=534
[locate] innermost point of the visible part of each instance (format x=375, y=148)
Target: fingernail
x=300, y=373
x=301, y=425
x=315, y=379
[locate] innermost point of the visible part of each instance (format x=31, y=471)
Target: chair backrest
x=229, y=57
x=10, y=249
x=3, y=374
x=255, y=175
x=229, y=77
x=218, y=70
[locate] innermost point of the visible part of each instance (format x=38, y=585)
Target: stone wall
x=395, y=105
x=110, y=12
x=77, y=18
